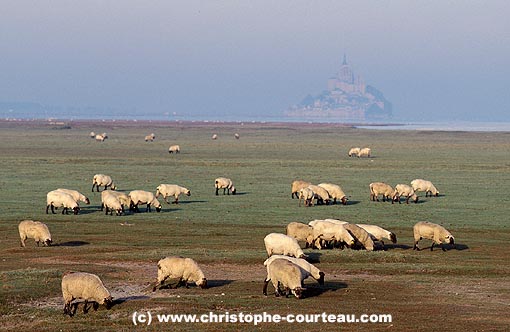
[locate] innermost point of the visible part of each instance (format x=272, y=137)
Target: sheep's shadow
x=314, y=290
x=121, y=300
x=189, y=202
x=349, y=202
x=447, y=247
x=71, y=244
x=313, y=257
x=218, y=283
x=391, y=246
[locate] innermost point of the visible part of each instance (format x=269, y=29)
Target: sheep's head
x=450, y=239
x=47, y=242
x=202, y=283
x=108, y=302
x=113, y=186
x=233, y=190
x=321, y=278
x=298, y=292
x=344, y=200
x=415, y=198
x=158, y=208
x=188, y=192
x=393, y=237
x=87, y=201
x=76, y=210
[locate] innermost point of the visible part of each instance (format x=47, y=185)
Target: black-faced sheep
x=437, y=233
x=150, y=138
x=306, y=195
x=365, y=152
x=171, y=190
x=111, y=201
x=29, y=229
x=403, y=190
x=321, y=194
x=288, y=274
x=379, y=233
x=174, y=149
x=381, y=188
x=335, y=192
x=184, y=269
x=143, y=197
x=362, y=236
x=85, y=286
x=296, y=186
x=331, y=232
x=310, y=269
x=100, y=180
x=426, y=186
x=281, y=244
x=56, y=199
x=76, y=195
x=225, y=184
x=302, y=232
x=354, y=152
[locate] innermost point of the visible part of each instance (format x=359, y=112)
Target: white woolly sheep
x=335, y=192
x=310, y=269
x=354, y=152
x=296, y=186
x=365, y=152
x=214, y=136
x=437, y=233
x=302, y=232
x=331, y=232
x=174, y=148
x=85, y=286
x=56, y=199
x=286, y=273
x=121, y=196
x=101, y=137
x=150, y=138
x=403, y=190
x=426, y=186
x=110, y=201
x=307, y=195
x=92, y=134
x=184, y=269
x=362, y=236
x=281, y=244
x=76, y=195
x=381, y=188
x=236, y=135
x=379, y=233
x=171, y=190
x=143, y=197
x=321, y=194
x=100, y=180
x=29, y=229
x=225, y=184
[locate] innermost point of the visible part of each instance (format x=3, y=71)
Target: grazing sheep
x=236, y=135
x=150, y=138
x=56, y=199
x=335, y=192
x=122, y=197
x=171, y=190
x=101, y=137
x=379, y=233
x=174, y=148
x=426, y=186
x=365, y=152
x=185, y=269
x=100, y=180
x=302, y=232
x=296, y=186
x=321, y=194
x=86, y=286
x=214, y=136
x=76, y=195
x=361, y=236
x=111, y=201
x=286, y=273
x=281, y=244
x=307, y=195
x=406, y=191
x=311, y=270
x=354, y=152
x=29, y=229
x=225, y=184
x=437, y=233
x=331, y=232
x=143, y=197
x=381, y=188
x=92, y=134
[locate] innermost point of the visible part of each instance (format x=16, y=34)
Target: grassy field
x=467, y=288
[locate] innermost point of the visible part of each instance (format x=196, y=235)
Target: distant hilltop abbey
x=347, y=98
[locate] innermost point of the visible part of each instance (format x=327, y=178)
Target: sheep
x=361, y=235
x=122, y=197
x=288, y=274
x=236, y=135
x=111, y=201
x=406, y=191
x=426, y=186
x=76, y=195
x=174, y=148
x=296, y=186
x=101, y=137
x=321, y=194
x=214, y=136
x=354, y=152
x=185, y=269
x=150, y=138
x=302, y=232
x=379, y=233
x=365, y=152
x=56, y=199
x=29, y=229
x=307, y=195
x=334, y=192
x=437, y=233
x=103, y=180
x=92, y=134
x=310, y=269
x=143, y=197
x=381, y=188
x=331, y=231
x=171, y=190
x=86, y=286
x=225, y=184
x=282, y=244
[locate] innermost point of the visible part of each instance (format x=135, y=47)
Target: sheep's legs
x=432, y=246
x=264, y=290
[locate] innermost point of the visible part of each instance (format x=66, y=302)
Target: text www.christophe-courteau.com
x=147, y=318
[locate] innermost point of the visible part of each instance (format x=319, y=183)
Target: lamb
x=150, y=138
x=122, y=197
x=354, y=152
x=361, y=235
x=310, y=269
x=76, y=195
x=185, y=269
x=282, y=244
x=379, y=233
x=171, y=190
x=111, y=201
x=334, y=192
x=296, y=186
x=174, y=148
x=307, y=195
x=225, y=184
x=101, y=137
x=321, y=194
x=56, y=199
x=406, y=191
x=426, y=186
x=381, y=188
x=302, y=232
x=288, y=274
x=143, y=197
x=331, y=231
x=29, y=229
x=86, y=286
x=365, y=152
x=437, y=233
x=102, y=180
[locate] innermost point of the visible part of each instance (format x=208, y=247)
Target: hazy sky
x=431, y=59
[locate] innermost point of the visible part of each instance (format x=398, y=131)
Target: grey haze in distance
x=434, y=60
